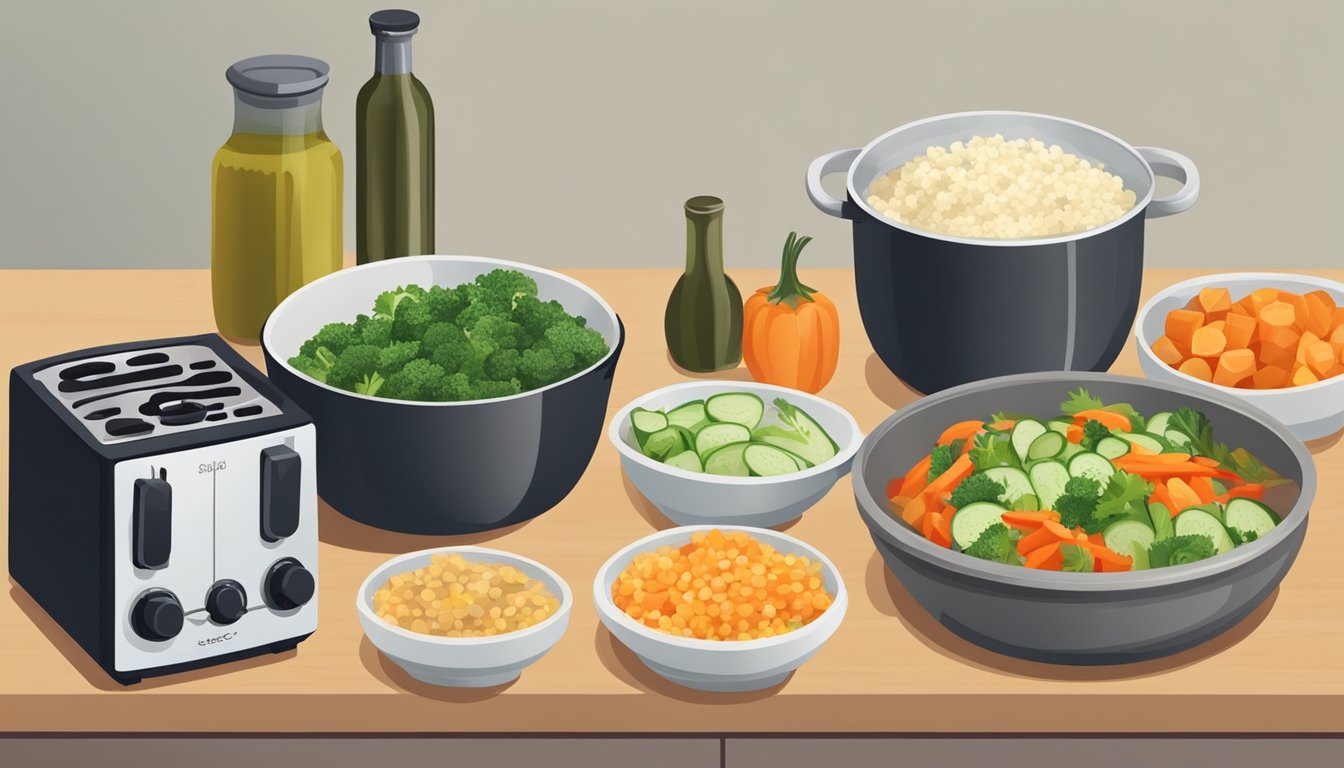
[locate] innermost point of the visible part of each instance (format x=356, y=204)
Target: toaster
x=163, y=504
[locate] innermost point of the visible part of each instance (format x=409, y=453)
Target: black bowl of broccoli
x=451, y=394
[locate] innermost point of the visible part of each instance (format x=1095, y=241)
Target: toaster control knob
x=289, y=585
x=226, y=602
x=157, y=616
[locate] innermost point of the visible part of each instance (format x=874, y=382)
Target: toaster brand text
x=213, y=466
x=217, y=639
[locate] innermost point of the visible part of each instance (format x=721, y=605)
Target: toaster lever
x=281, y=470
x=152, y=523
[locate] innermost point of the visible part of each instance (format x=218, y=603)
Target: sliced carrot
x=1059, y=531
x=1113, y=562
x=898, y=502
x=1160, y=458
x=941, y=529
x=1181, y=325
x=967, y=446
x=1162, y=496
x=1247, y=491
x=1135, y=448
x=1214, y=301
x=1150, y=469
x=917, y=478
x=960, y=469
x=1197, y=367
x=962, y=430
x=1097, y=538
x=1109, y=419
x=1074, y=434
x=1003, y=425
x=1239, y=330
x=1203, y=488
x=1205, y=460
x=1234, y=366
x=915, y=511
x=1182, y=495
x=1270, y=377
x=1048, y=558
x=1278, y=314
x=1167, y=351
x=1320, y=311
x=1034, y=541
x=894, y=487
x=1029, y=521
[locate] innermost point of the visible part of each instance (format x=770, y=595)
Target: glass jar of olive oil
x=276, y=193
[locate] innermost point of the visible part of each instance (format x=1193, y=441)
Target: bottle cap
x=278, y=75
x=704, y=204
x=393, y=21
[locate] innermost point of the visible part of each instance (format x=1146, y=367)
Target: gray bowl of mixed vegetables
x=1085, y=518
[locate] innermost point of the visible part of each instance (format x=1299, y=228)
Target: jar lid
x=393, y=21
x=278, y=75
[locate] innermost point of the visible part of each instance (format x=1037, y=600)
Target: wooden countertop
x=889, y=668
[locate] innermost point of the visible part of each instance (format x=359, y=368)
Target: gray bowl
x=1082, y=618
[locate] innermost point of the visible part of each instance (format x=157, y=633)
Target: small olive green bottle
x=703, y=322
x=394, y=149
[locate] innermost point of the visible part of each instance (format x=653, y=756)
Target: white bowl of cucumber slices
x=740, y=453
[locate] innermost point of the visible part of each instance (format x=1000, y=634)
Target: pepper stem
x=790, y=289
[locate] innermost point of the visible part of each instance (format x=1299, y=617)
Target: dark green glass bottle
x=703, y=323
x=394, y=149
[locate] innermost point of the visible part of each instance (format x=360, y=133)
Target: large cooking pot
x=943, y=310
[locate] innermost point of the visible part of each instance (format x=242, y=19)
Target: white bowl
x=690, y=498
x=463, y=662
x=1309, y=412
x=711, y=665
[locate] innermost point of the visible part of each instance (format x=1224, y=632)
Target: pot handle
x=1172, y=165
x=825, y=165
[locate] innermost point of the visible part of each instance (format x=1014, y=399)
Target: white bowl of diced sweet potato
x=1275, y=340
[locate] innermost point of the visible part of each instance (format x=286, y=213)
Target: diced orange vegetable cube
x=1240, y=308
x=1303, y=376
x=1279, y=345
x=1324, y=298
x=1261, y=299
x=1301, y=317
x=1197, y=367
x=1339, y=318
x=1208, y=341
x=1270, y=377
x=1214, y=301
x=1308, y=338
x=1182, y=324
x=1320, y=357
x=1236, y=365
x=1239, y=330
x=1337, y=336
x=1278, y=314
x=1320, y=311
x=1166, y=350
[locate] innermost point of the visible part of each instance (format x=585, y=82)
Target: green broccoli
x=505, y=286
x=374, y=330
x=494, y=332
x=583, y=346
x=445, y=304
x=535, y=316
x=488, y=388
x=998, y=544
x=388, y=302
x=977, y=487
x=370, y=384
x=502, y=364
x=418, y=380
x=1179, y=550
x=411, y=322
x=396, y=355
x=1078, y=503
x=939, y=461
x=352, y=366
x=540, y=366
x=439, y=334
x=334, y=336
x=1093, y=432
x=310, y=367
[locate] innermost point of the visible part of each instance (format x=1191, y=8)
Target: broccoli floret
x=572, y=341
x=1093, y=432
x=535, y=316
x=334, y=336
x=374, y=330
x=420, y=379
x=1179, y=550
x=437, y=335
x=352, y=366
x=494, y=332
x=445, y=304
x=504, y=286
x=412, y=321
x=977, y=487
x=446, y=345
x=310, y=367
x=396, y=355
x=996, y=544
x=1076, y=505
x=502, y=364
x=539, y=366
x=488, y=388
x=939, y=460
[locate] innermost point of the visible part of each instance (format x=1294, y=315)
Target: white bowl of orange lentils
x=463, y=617
x=721, y=608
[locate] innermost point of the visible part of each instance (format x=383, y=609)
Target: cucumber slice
x=1048, y=479
x=1178, y=439
x=689, y=415
x=1146, y=441
x=727, y=460
x=644, y=423
x=717, y=435
x=1112, y=447
x=1027, y=503
x=1024, y=432
x=1127, y=536
x=1140, y=555
x=735, y=408
x=1160, y=516
x=1157, y=423
x=1247, y=515
x=801, y=436
x=1089, y=464
x=1070, y=450
x=1198, y=521
x=1047, y=446
x=687, y=460
x=971, y=520
x=1059, y=425
x=767, y=461
x=663, y=443
x=1014, y=481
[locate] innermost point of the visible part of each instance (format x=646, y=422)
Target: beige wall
x=570, y=131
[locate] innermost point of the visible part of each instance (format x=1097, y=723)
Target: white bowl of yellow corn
x=403, y=636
